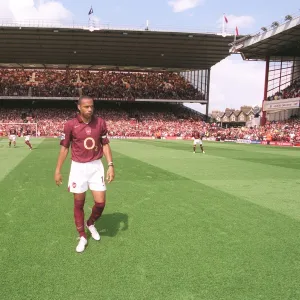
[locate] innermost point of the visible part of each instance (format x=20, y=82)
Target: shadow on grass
x=110, y=224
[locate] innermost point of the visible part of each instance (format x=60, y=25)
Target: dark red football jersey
x=86, y=140
x=12, y=131
x=197, y=135
x=27, y=132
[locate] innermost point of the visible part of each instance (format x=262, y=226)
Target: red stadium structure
x=279, y=47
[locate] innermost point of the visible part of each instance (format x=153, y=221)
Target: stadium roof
x=35, y=47
x=281, y=41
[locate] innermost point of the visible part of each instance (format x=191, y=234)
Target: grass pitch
x=177, y=225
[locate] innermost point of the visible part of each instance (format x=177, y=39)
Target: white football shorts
x=198, y=142
x=12, y=137
x=84, y=176
x=27, y=138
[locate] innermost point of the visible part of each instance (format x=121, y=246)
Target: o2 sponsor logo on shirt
x=90, y=144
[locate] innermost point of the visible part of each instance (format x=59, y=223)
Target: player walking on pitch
x=27, y=135
x=12, y=136
x=87, y=136
x=197, y=141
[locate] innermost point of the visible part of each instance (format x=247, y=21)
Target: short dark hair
x=84, y=97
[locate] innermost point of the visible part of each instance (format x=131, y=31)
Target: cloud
x=5, y=12
x=246, y=22
x=21, y=10
x=182, y=5
x=235, y=82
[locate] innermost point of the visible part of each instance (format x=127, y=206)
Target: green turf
x=178, y=225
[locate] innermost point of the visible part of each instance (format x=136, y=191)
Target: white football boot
x=94, y=233
x=81, y=245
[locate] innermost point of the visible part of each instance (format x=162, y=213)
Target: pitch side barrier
x=210, y=139
x=257, y=142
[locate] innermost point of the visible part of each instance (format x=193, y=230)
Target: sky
x=234, y=82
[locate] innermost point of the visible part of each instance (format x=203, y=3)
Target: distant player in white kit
x=197, y=141
x=12, y=137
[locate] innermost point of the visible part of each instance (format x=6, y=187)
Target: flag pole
x=91, y=11
x=236, y=33
x=223, y=24
x=91, y=25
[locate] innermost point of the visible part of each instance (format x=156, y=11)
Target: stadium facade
x=279, y=47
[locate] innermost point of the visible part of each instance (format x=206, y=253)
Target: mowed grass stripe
x=265, y=185
x=163, y=237
x=268, y=155
x=183, y=144
x=11, y=157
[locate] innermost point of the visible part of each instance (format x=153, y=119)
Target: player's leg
x=79, y=200
x=9, y=142
x=78, y=186
x=98, y=208
x=98, y=188
x=14, y=141
x=194, y=146
x=202, y=149
x=201, y=146
x=27, y=142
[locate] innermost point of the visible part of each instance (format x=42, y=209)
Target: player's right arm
x=60, y=161
x=64, y=150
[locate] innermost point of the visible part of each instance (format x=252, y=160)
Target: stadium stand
x=123, y=119
x=292, y=91
x=98, y=84
x=148, y=120
x=278, y=48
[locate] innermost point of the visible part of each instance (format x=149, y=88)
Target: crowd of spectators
x=292, y=91
x=98, y=84
x=157, y=121
x=287, y=131
x=14, y=82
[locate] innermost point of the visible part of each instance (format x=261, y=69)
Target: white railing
x=105, y=26
x=269, y=27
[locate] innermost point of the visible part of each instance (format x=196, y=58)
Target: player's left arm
x=110, y=175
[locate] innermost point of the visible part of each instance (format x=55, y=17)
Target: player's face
x=86, y=108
